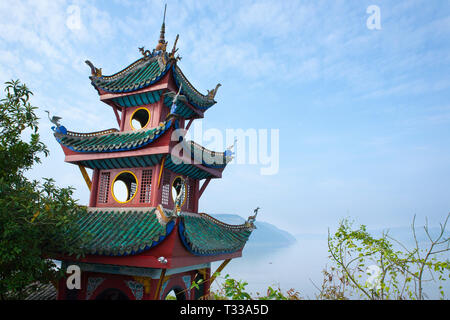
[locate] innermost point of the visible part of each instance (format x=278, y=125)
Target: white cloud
x=33, y=66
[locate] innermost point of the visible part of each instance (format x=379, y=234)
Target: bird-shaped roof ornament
x=181, y=190
x=229, y=151
x=55, y=120
x=175, y=97
x=250, y=220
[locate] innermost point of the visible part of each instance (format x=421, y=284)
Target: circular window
x=124, y=187
x=179, y=191
x=140, y=118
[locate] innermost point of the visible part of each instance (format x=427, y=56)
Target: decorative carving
x=54, y=119
x=163, y=218
x=136, y=288
x=93, y=284
x=95, y=72
x=145, y=53
x=229, y=152
x=187, y=282
x=162, y=61
x=175, y=98
x=58, y=128
x=162, y=260
x=212, y=93
x=250, y=221
x=180, y=197
x=161, y=46
x=146, y=282
x=174, y=48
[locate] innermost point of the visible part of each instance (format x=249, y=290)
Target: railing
x=218, y=222
x=91, y=134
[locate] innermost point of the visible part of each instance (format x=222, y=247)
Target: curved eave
x=140, y=74
x=112, y=142
x=208, y=158
x=195, y=98
x=141, y=161
x=183, y=110
x=121, y=232
x=203, y=235
x=191, y=169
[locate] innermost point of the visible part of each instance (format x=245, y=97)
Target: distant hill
x=265, y=234
x=403, y=234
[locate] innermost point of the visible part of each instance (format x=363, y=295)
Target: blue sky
x=363, y=115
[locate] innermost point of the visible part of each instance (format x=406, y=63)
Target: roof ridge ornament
x=212, y=93
x=145, y=53
x=55, y=120
x=229, y=151
x=250, y=220
x=162, y=43
x=175, y=97
x=95, y=72
x=174, y=50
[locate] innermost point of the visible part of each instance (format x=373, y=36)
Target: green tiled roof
x=143, y=73
x=138, y=75
x=123, y=162
x=206, y=157
x=118, y=232
x=43, y=292
x=182, y=109
x=187, y=169
x=112, y=141
x=194, y=97
x=204, y=235
x=144, y=98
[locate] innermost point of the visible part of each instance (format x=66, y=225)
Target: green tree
x=36, y=219
x=382, y=267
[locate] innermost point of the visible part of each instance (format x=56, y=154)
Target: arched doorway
x=112, y=294
x=175, y=293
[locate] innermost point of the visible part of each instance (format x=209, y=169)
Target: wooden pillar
x=122, y=120
x=196, y=195
x=158, y=112
x=189, y=124
x=207, y=283
x=117, y=116
x=160, y=283
x=94, y=188
x=204, y=185
x=156, y=192
x=85, y=176
x=61, y=290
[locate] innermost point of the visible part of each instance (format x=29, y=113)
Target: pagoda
x=145, y=236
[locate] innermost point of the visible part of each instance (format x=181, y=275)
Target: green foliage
x=277, y=294
x=171, y=297
x=232, y=289
x=235, y=289
x=395, y=271
x=368, y=267
x=36, y=220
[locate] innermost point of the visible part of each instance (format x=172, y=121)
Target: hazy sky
x=363, y=115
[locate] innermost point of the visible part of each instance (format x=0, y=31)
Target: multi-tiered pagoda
x=145, y=235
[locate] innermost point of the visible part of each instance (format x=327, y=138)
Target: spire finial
x=164, y=17
x=162, y=42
